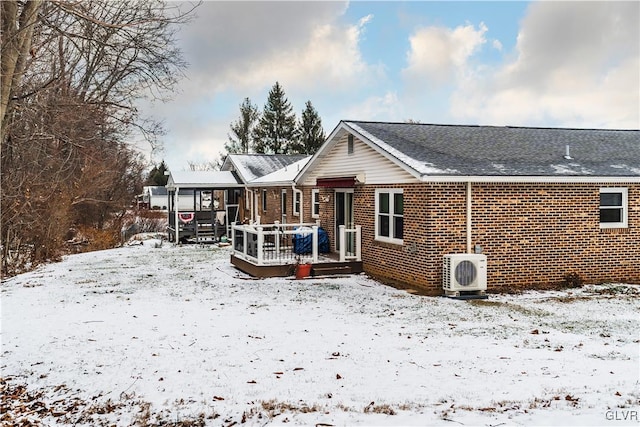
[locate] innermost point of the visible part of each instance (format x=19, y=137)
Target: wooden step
x=330, y=270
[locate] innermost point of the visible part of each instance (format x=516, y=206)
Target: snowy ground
x=152, y=335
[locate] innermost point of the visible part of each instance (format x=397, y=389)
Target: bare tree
x=72, y=72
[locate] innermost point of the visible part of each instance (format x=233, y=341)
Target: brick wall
x=274, y=205
x=532, y=234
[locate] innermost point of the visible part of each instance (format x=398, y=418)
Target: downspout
x=469, y=217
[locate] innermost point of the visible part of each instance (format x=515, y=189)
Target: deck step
x=330, y=270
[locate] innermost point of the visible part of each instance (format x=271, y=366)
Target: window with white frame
x=315, y=203
x=613, y=208
x=389, y=215
x=297, y=201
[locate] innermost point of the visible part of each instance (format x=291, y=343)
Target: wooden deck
x=324, y=267
x=274, y=250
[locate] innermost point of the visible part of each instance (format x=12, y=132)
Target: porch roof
x=202, y=179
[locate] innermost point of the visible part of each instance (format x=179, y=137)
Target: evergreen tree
x=276, y=129
x=310, y=133
x=156, y=175
x=241, y=137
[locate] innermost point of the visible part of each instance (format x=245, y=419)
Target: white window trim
x=391, y=192
x=315, y=200
x=625, y=208
x=297, y=202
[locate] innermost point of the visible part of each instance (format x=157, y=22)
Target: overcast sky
x=548, y=64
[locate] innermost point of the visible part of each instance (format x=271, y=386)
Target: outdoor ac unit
x=464, y=272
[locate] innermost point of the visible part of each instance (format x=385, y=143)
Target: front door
x=344, y=216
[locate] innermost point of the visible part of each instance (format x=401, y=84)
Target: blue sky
x=549, y=64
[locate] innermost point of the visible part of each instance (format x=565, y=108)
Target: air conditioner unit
x=464, y=272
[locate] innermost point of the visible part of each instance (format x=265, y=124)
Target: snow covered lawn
x=151, y=335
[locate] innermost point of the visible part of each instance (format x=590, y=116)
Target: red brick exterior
x=533, y=234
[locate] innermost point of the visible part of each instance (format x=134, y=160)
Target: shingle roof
x=284, y=175
x=252, y=166
x=506, y=151
x=202, y=179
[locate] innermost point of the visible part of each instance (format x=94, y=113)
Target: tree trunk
x=17, y=34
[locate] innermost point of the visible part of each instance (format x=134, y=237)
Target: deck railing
x=276, y=244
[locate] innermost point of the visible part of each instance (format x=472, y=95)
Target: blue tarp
x=302, y=242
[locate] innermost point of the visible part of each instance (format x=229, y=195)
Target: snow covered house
x=267, y=201
x=154, y=197
x=273, y=238
x=544, y=206
x=202, y=204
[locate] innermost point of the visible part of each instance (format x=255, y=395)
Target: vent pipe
x=567, y=154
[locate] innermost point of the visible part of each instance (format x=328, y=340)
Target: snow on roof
x=458, y=150
x=202, y=179
x=156, y=190
x=252, y=166
x=283, y=175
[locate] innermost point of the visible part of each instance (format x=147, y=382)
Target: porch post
x=233, y=231
x=260, y=255
x=314, y=243
x=358, y=243
x=343, y=249
x=176, y=208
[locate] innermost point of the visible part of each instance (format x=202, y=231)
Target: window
x=264, y=200
x=297, y=198
x=613, y=208
x=389, y=215
x=315, y=203
x=350, y=144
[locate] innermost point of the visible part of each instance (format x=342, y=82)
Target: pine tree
x=241, y=137
x=310, y=133
x=156, y=175
x=276, y=129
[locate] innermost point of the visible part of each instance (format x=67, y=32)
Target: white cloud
x=301, y=44
x=329, y=57
x=385, y=108
x=577, y=65
x=438, y=55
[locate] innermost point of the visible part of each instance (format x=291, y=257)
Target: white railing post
x=233, y=237
x=342, y=240
x=260, y=240
x=245, y=242
x=358, y=243
x=314, y=243
x=276, y=237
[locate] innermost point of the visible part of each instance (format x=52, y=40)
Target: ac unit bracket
x=466, y=295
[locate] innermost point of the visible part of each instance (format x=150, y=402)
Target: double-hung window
x=613, y=208
x=389, y=215
x=315, y=203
